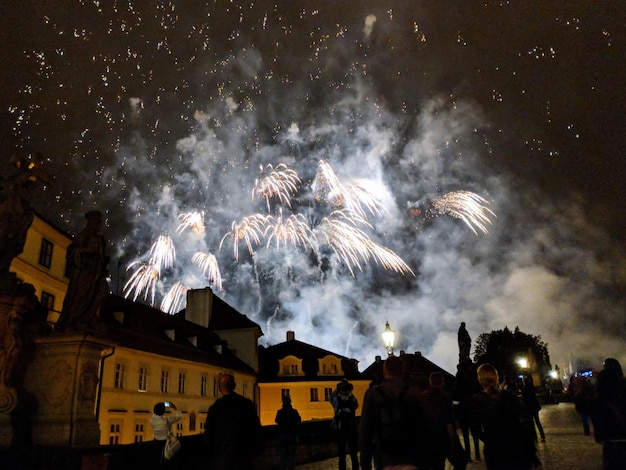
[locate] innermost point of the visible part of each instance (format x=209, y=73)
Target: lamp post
x=389, y=337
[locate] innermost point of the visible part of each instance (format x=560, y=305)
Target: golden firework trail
x=354, y=247
x=175, y=299
x=208, y=265
x=279, y=182
x=163, y=253
x=250, y=229
x=354, y=196
x=192, y=220
x=467, y=206
x=294, y=230
x=144, y=279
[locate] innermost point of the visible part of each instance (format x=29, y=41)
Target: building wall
x=51, y=279
x=125, y=409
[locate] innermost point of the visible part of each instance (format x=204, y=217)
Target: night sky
x=151, y=110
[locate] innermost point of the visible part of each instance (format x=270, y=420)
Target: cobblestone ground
x=566, y=447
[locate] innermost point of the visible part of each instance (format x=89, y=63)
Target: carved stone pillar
x=64, y=379
x=20, y=311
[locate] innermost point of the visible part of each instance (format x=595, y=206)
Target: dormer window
x=290, y=366
x=330, y=365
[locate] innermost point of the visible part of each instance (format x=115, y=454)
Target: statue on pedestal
x=21, y=314
x=88, y=285
x=465, y=343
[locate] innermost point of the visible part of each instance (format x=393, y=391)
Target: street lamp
x=389, y=337
x=523, y=362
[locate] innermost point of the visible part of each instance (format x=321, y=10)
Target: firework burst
x=163, y=253
x=192, y=220
x=279, y=182
x=294, y=230
x=251, y=229
x=467, y=206
x=355, y=196
x=144, y=279
x=175, y=299
x=209, y=267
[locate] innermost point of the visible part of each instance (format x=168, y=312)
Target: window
x=192, y=421
x=47, y=300
x=139, y=431
x=120, y=375
x=165, y=381
x=181, y=383
x=203, y=385
x=290, y=369
x=179, y=429
x=284, y=392
x=327, y=393
x=142, y=385
x=244, y=389
x=115, y=431
x=215, y=386
x=314, y=394
x=45, y=253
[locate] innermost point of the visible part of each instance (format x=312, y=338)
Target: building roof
x=144, y=328
x=269, y=357
x=417, y=367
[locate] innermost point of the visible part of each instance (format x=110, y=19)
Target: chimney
x=199, y=306
x=377, y=359
x=291, y=336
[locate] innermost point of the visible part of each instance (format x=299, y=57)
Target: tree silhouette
x=504, y=348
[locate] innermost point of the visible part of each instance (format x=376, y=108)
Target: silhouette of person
x=532, y=405
x=345, y=405
x=232, y=430
x=504, y=425
x=287, y=419
x=444, y=438
x=88, y=286
x=609, y=415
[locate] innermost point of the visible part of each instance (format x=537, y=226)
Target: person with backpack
x=504, y=425
x=345, y=405
x=392, y=422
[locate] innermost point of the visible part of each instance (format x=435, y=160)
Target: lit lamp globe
x=389, y=336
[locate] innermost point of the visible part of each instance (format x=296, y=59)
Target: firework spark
x=467, y=206
x=208, y=265
x=192, y=220
x=354, y=247
x=175, y=299
x=354, y=196
x=163, y=253
x=144, y=279
x=250, y=229
x=280, y=182
x=294, y=230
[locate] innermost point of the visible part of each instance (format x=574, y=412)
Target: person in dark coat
x=444, y=438
x=609, y=415
x=232, y=430
x=394, y=438
x=532, y=405
x=345, y=405
x=504, y=425
x=287, y=419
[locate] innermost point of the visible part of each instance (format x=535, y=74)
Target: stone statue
x=16, y=215
x=465, y=343
x=88, y=286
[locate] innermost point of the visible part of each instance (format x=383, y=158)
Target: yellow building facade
x=42, y=264
x=308, y=375
x=134, y=381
